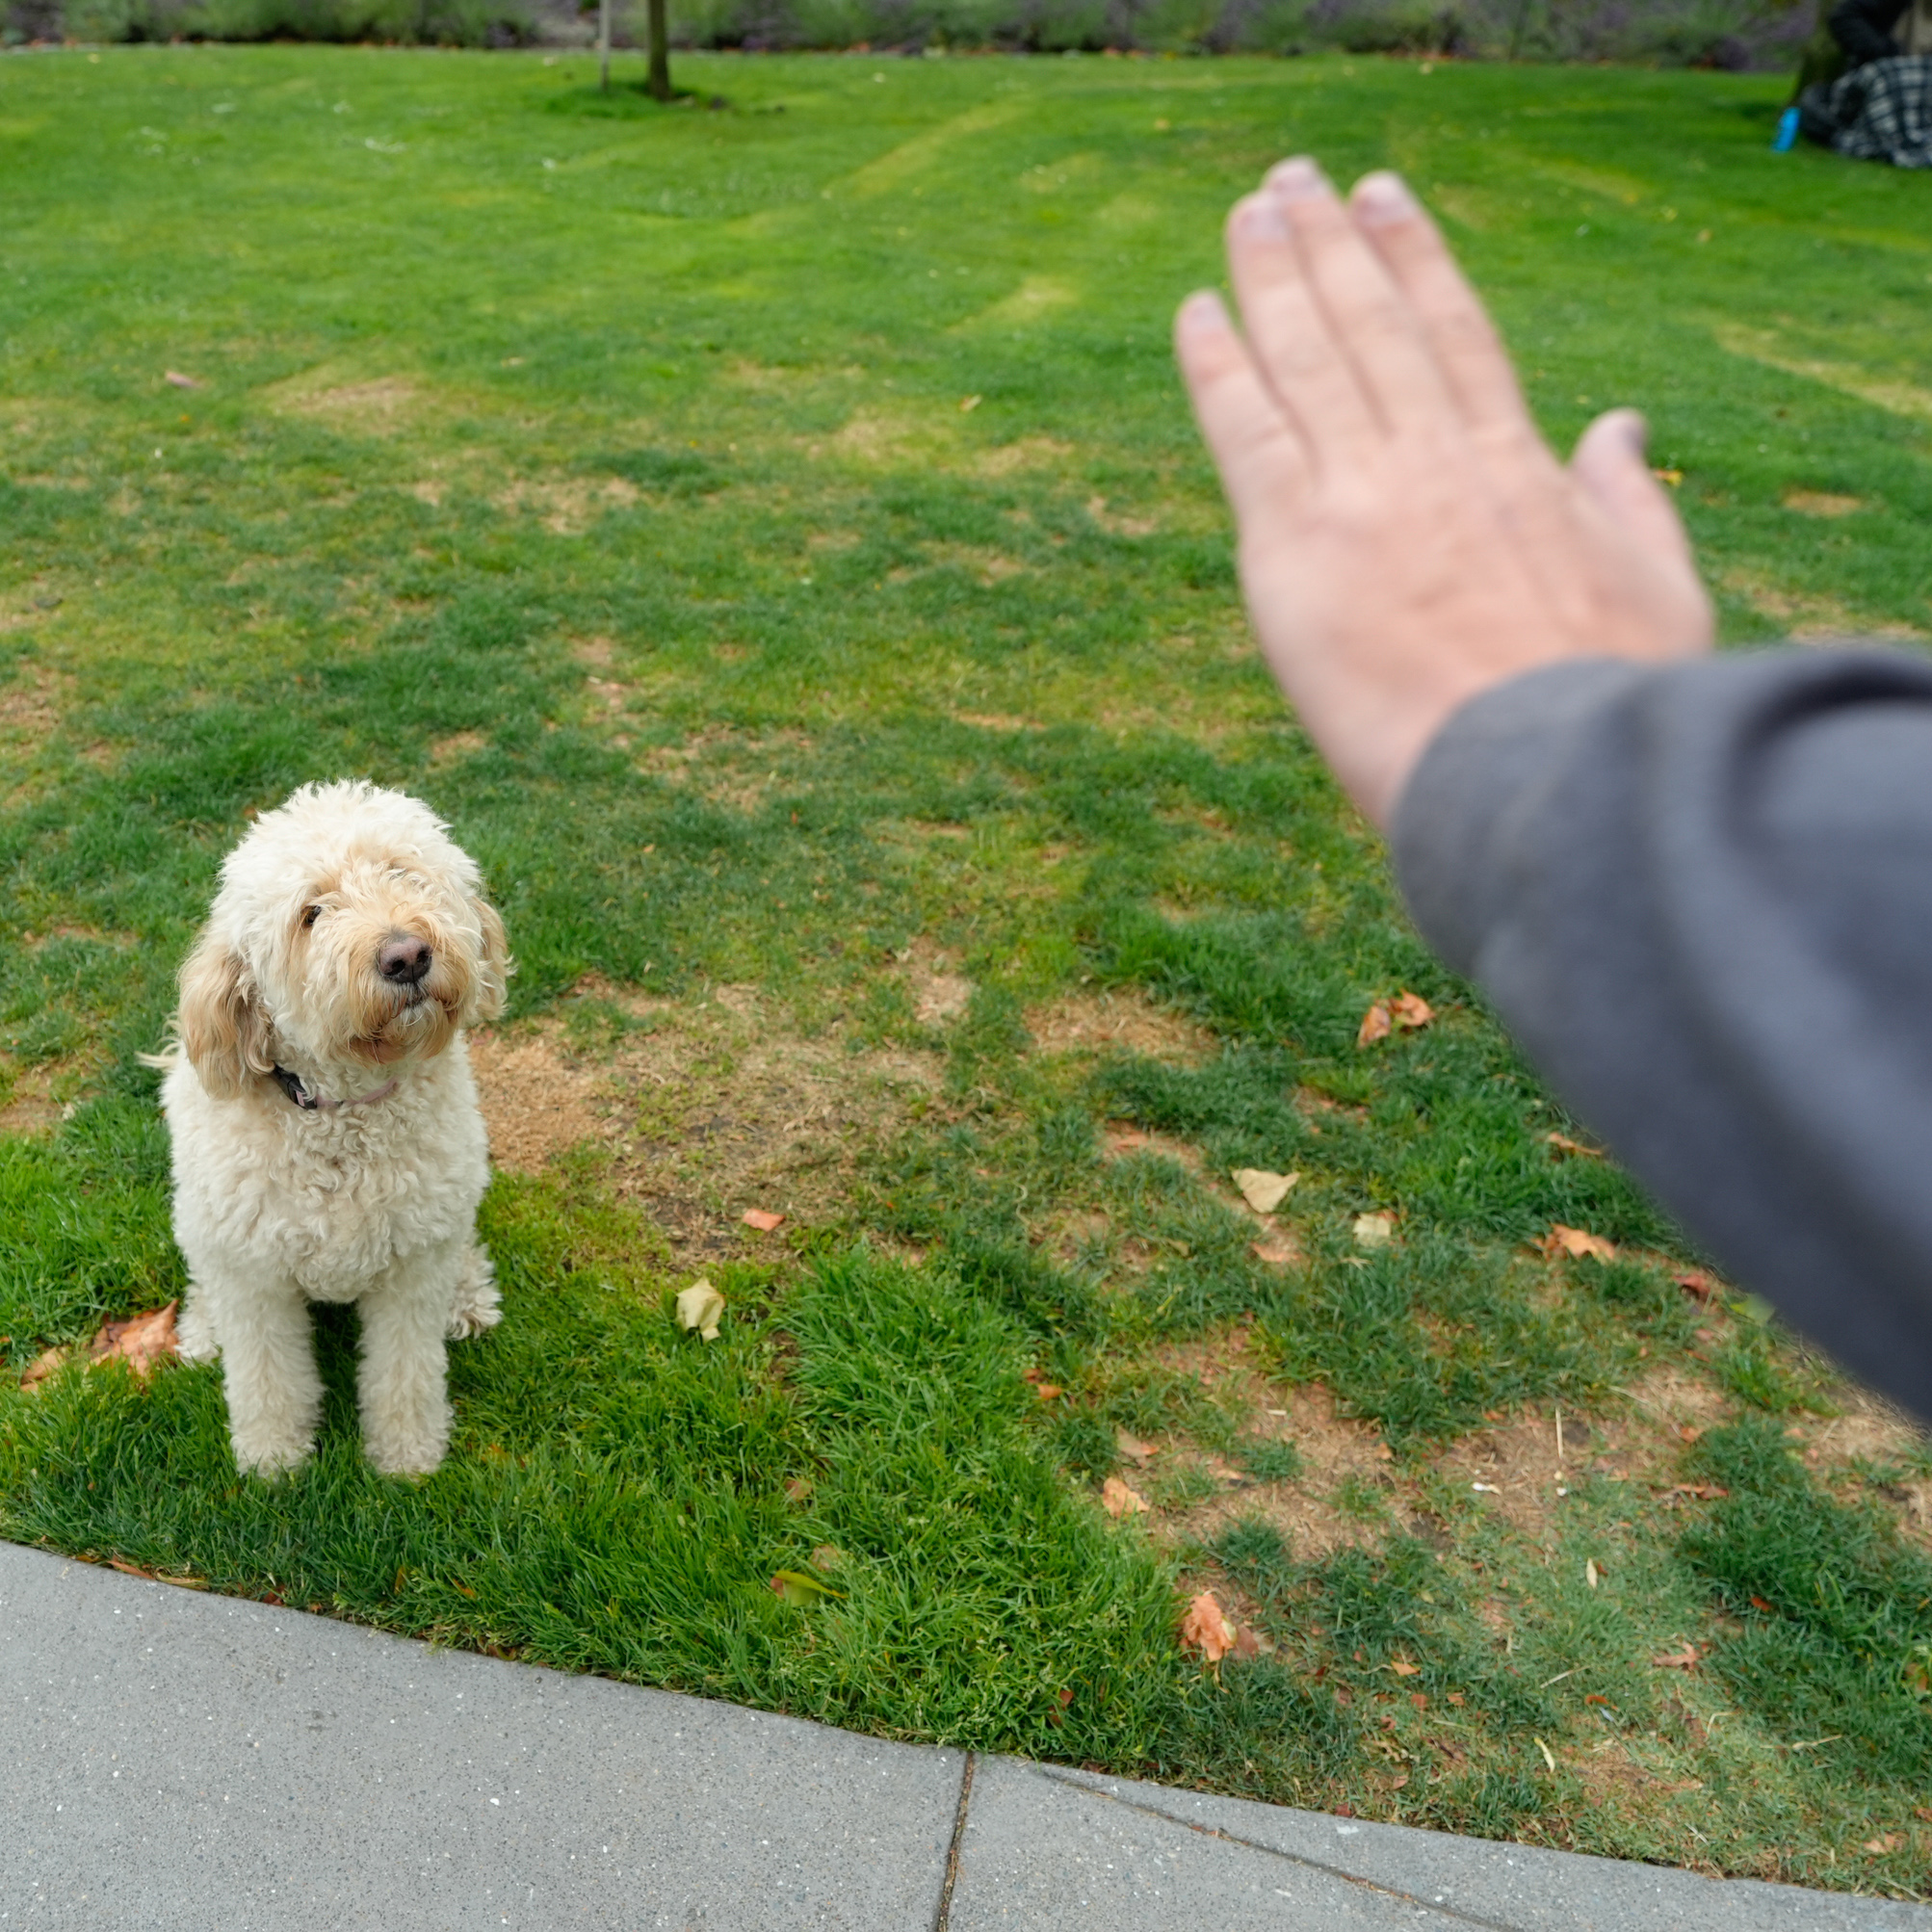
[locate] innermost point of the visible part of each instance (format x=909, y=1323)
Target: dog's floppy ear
x=496, y=965
x=224, y=1031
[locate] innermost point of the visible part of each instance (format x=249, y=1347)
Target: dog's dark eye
x=313, y=913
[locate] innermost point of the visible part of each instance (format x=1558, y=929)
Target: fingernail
x=1296, y=180
x=1201, y=310
x=1258, y=220
x=1383, y=197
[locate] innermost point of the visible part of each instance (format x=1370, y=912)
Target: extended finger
x=1368, y=311
x=1256, y=448
x=1465, y=346
x=1293, y=340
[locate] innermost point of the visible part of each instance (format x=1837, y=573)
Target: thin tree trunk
x=603, y=43
x=657, y=84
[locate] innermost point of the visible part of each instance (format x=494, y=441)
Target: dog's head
x=349, y=927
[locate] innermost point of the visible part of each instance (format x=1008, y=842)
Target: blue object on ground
x=1787, y=137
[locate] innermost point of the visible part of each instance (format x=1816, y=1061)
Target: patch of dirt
x=567, y=506
x=996, y=721
x=379, y=408
x=714, y=1109
x=1029, y=453
x=596, y=652
x=1116, y=524
x=1821, y=503
x=939, y=993
x=29, y=706
x=1096, y=1022
x=1807, y=618
x=30, y=1108
x=984, y=565
x=458, y=745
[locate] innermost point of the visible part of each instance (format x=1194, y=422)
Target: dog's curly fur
x=371, y=1196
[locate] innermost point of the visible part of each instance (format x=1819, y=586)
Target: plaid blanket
x=1879, y=112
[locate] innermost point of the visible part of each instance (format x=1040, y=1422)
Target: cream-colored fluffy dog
x=327, y=1142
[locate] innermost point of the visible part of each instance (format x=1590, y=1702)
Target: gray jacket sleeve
x=1700, y=899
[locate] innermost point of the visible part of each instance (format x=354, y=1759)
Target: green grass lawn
x=773, y=535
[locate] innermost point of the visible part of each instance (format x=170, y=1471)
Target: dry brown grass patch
x=716, y=1109
x=1102, y=1022
x=30, y=1106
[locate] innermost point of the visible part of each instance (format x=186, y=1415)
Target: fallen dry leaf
x=827, y=1557
x=1223, y=1472
x=141, y=1342
x=1548, y=1758
x=1263, y=1191
x=1117, y=1500
x=1592, y=1576
x=41, y=1366
x=1402, y=1667
x=1683, y=1660
x=1206, y=1628
x=1375, y=1026
x=128, y=1568
x=1885, y=1842
x=968, y=404
x=701, y=1307
x=1251, y=1642
x=1706, y=1490
x=1758, y=1604
x=1576, y=1242
x=1695, y=1282
x=1134, y=1449
x=174, y=378
x=761, y=1219
x=1411, y=1012
x=1277, y=1251
x=1563, y=1144
x=1375, y=1231
x=1048, y=1392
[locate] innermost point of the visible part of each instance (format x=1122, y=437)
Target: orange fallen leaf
x=1206, y=1628
x=1223, y=1472
x=41, y=1366
x=1705, y=1490
x=1695, y=1282
x=1403, y=1668
x=1251, y=1642
x=1887, y=1842
x=1563, y=1144
x=1675, y=478
x=1411, y=1012
x=1576, y=1242
x=761, y=1219
x=1117, y=1500
x=1758, y=1604
x=1683, y=1660
x=1048, y=1392
x=141, y=1340
x=1134, y=1449
x=1375, y=1025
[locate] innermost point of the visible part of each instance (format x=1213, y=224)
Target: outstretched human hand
x=1406, y=536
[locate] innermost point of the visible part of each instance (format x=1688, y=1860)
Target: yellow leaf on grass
x=795, y=1587
x=1117, y=1500
x=1263, y=1191
x=701, y=1307
x=1375, y=1231
x=1402, y=1667
x=1374, y=1025
x=761, y=1219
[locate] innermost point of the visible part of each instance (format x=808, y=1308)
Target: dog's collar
x=315, y=1103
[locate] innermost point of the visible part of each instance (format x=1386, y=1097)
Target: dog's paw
x=270, y=1456
x=410, y=1459
x=195, y=1336
x=476, y=1305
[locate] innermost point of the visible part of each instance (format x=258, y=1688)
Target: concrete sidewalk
x=171, y=1760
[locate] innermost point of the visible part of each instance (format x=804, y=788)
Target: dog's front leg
x=269, y=1373
x=405, y=1411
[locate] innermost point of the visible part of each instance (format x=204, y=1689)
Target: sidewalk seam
x=1272, y=1851
x=944, y=1916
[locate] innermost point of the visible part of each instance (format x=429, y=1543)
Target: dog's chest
x=341, y=1200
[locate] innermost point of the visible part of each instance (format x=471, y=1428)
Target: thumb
x=1609, y=464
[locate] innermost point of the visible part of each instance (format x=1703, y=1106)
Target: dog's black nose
x=404, y=958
